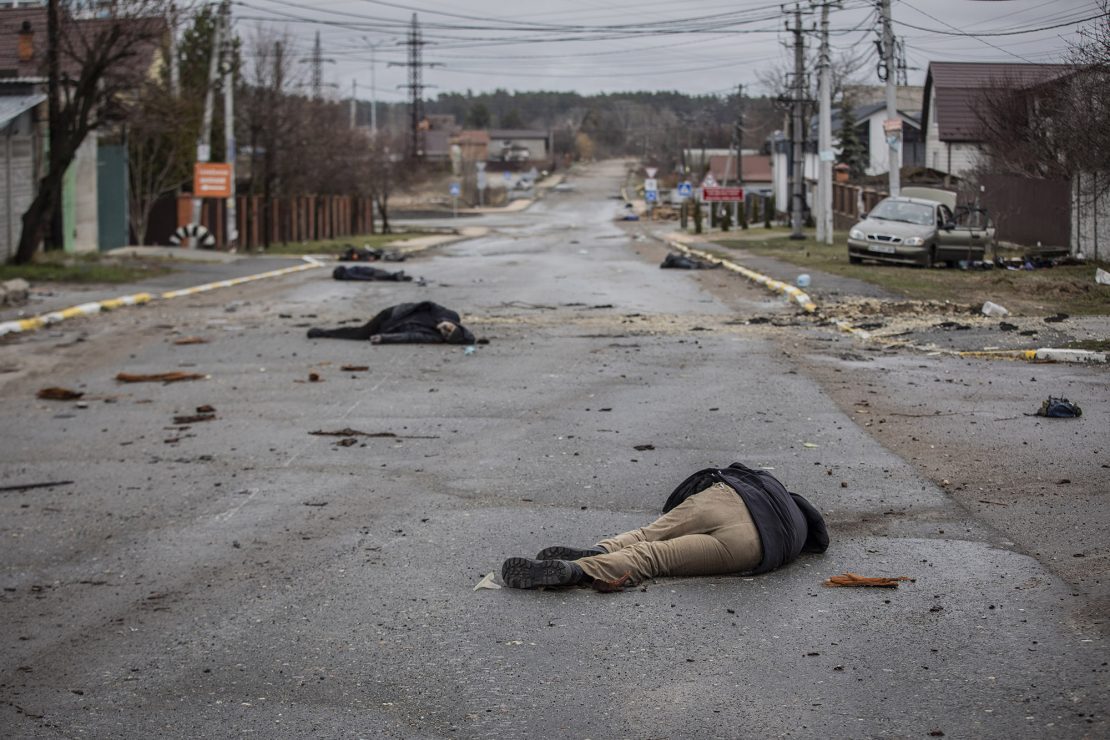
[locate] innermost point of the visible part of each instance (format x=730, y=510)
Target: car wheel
x=930, y=258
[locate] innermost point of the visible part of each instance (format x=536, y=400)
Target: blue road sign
x=651, y=195
x=455, y=190
x=685, y=189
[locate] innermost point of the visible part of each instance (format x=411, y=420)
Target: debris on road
x=853, y=579
x=29, y=486
x=370, y=254
x=993, y=309
x=191, y=340
x=171, y=377
x=55, y=393
x=206, y=409
x=354, y=368
x=193, y=418
x=487, y=582
x=1059, y=408
x=642, y=448
x=681, y=262
x=314, y=377
x=347, y=442
x=362, y=272
x=348, y=432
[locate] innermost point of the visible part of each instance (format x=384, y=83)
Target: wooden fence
x=851, y=200
x=293, y=219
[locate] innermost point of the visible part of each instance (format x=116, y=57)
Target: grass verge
x=1069, y=289
x=58, y=267
x=335, y=246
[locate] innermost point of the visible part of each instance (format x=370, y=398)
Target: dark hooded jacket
x=405, y=323
x=788, y=524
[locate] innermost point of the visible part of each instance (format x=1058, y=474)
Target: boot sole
x=559, y=552
x=526, y=573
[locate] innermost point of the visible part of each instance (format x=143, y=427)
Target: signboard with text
x=722, y=195
x=212, y=180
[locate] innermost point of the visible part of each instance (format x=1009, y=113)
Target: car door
x=954, y=242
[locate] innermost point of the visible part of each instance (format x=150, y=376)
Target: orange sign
x=212, y=180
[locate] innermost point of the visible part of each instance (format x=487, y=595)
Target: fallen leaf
x=191, y=340
x=809, y=445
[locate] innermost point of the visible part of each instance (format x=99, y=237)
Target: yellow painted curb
x=90, y=309
x=795, y=294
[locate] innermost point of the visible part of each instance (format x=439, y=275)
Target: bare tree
x=160, y=142
x=91, y=63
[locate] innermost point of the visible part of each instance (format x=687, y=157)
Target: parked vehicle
x=922, y=226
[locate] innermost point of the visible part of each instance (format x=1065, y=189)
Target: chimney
x=26, y=42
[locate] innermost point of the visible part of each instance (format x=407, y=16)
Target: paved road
x=243, y=576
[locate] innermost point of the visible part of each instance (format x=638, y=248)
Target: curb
x=798, y=296
x=93, y=308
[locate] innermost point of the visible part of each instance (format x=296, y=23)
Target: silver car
x=922, y=226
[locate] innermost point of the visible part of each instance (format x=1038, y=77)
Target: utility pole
x=354, y=102
x=893, y=137
x=175, y=67
x=317, y=61
x=373, y=94
x=231, y=232
x=54, y=227
x=798, y=132
x=204, y=141
x=736, y=141
x=824, y=136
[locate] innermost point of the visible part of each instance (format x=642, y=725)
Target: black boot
x=558, y=552
x=527, y=573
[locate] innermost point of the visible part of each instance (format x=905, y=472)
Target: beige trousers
x=710, y=533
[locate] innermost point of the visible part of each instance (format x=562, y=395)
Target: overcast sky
x=694, y=46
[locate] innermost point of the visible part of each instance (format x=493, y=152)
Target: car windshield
x=900, y=210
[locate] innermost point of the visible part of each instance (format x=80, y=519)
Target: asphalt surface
x=243, y=576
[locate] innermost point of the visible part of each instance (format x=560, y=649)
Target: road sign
x=685, y=189
x=651, y=195
x=651, y=171
x=722, y=195
x=455, y=190
x=709, y=181
x=891, y=125
x=212, y=180
x=651, y=184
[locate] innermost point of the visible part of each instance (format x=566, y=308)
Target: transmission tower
x=415, y=87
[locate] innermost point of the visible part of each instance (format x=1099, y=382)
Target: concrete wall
x=17, y=181
x=1090, y=215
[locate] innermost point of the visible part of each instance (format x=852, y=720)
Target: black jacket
x=787, y=523
x=405, y=323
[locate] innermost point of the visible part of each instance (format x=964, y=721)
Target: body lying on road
x=718, y=521
x=365, y=272
x=405, y=323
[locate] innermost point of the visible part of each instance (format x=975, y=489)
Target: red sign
x=722, y=195
x=212, y=180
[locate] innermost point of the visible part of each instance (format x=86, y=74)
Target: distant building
x=519, y=145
